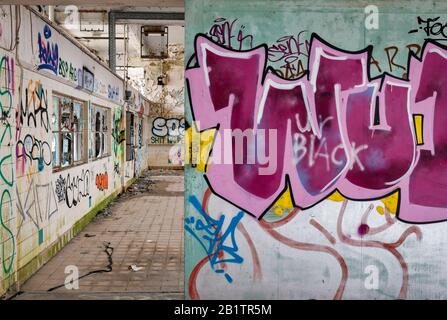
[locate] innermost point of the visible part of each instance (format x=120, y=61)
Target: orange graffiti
x=102, y=181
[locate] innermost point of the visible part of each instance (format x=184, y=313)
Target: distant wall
x=347, y=198
x=167, y=141
x=165, y=145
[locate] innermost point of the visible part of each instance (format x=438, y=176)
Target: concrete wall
x=42, y=208
x=363, y=152
x=167, y=101
x=169, y=97
x=139, y=106
x=167, y=141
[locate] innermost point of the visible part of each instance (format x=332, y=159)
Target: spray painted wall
x=137, y=139
x=345, y=194
x=167, y=140
x=41, y=204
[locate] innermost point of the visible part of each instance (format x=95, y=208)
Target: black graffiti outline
x=179, y=123
x=40, y=146
x=39, y=107
x=76, y=186
x=193, y=63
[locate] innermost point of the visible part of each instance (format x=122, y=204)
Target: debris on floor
x=143, y=230
x=152, y=181
x=135, y=268
x=106, y=212
x=148, y=182
x=109, y=251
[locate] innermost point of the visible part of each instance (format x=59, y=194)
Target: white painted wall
x=38, y=205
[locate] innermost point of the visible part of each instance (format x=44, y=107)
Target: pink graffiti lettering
x=337, y=129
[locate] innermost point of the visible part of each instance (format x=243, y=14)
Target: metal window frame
x=137, y=15
x=164, y=33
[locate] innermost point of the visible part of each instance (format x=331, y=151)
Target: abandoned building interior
x=91, y=97
x=223, y=149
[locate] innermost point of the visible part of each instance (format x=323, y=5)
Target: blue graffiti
x=113, y=92
x=211, y=236
x=47, y=32
x=48, y=52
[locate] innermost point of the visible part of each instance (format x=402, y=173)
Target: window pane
x=105, y=129
x=67, y=139
x=100, y=127
x=104, y=143
x=105, y=120
x=55, y=115
x=55, y=149
x=77, y=116
x=97, y=129
x=91, y=133
x=98, y=120
x=66, y=111
x=129, y=136
x=78, y=147
x=97, y=144
x=108, y=135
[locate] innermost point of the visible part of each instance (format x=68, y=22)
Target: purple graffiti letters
x=335, y=128
x=423, y=196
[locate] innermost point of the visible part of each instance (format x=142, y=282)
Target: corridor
x=133, y=249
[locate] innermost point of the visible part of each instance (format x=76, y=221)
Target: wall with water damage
x=161, y=80
x=316, y=143
x=43, y=203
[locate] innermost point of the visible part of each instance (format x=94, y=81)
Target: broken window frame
x=78, y=136
x=149, y=30
x=130, y=136
x=103, y=132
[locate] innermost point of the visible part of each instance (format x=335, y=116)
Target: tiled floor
x=144, y=227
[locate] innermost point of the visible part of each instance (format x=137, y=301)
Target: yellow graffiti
x=418, y=127
x=283, y=203
x=390, y=203
x=278, y=211
x=336, y=196
x=203, y=142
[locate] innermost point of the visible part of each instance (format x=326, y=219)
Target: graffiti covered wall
x=320, y=170
x=62, y=134
x=138, y=136
x=167, y=135
x=8, y=219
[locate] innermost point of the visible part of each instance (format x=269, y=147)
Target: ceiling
x=116, y=3
x=89, y=24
